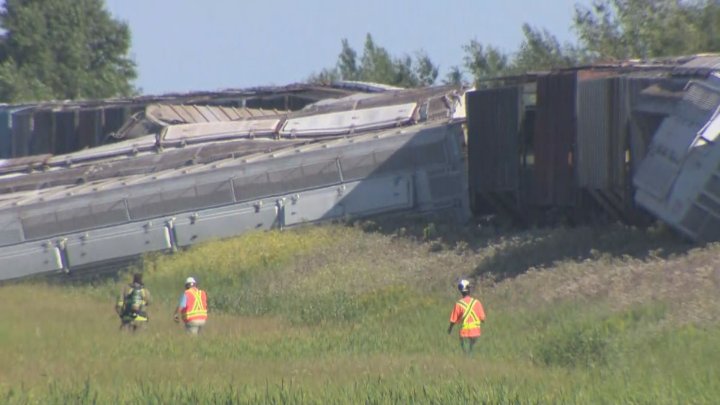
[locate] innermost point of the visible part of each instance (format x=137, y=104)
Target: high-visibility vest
x=470, y=318
x=195, y=305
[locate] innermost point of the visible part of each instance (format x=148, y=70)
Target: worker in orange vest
x=192, y=308
x=469, y=312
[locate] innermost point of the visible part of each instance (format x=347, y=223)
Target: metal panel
x=314, y=205
x=170, y=114
x=27, y=259
x=45, y=179
x=89, y=128
x=554, y=140
x=115, y=149
x=344, y=122
x=5, y=133
x=116, y=242
x=223, y=222
x=209, y=114
x=43, y=134
x=10, y=228
x=658, y=170
x=22, y=125
x=267, y=179
x=378, y=195
x=445, y=185
x=66, y=131
x=698, y=103
x=354, y=198
x=204, y=132
x=115, y=117
x=72, y=215
x=23, y=164
x=678, y=181
x=494, y=118
x=596, y=132
x=170, y=196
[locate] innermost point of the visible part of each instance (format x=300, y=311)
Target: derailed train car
x=194, y=181
x=571, y=142
x=679, y=180
x=629, y=142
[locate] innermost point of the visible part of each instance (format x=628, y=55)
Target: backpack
x=134, y=301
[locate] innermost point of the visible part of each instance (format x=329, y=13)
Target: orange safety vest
x=472, y=315
x=195, y=305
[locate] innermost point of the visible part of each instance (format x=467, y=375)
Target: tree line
x=74, y=49
x=606, y=30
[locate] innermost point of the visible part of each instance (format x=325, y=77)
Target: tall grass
x=334, y=314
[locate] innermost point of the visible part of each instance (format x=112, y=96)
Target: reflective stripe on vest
x=194, y=307
x=470, y=319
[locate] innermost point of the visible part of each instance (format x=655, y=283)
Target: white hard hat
x=464, y=285
x=190, y=280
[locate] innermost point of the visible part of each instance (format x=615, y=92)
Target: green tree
x=325, y=77
x=347, y=62
x=485, y=62
x=540, y=50
x=454, y=77
x=63, y=49
x=622, y=29
x=426, y=70
x=377, y=65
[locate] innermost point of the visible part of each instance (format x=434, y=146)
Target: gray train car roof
x=418, y=167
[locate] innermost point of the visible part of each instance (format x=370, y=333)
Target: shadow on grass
x=511, y=251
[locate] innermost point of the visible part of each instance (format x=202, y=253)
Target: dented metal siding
x=494, y=118
x=554, y=140
x=343, y=122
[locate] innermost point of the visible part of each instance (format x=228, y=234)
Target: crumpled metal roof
x=184, y=135
x=156, y=117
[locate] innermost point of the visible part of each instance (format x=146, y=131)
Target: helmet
x=464, y=285
x=190, y=280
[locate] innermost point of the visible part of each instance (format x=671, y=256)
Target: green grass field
x=342, y=314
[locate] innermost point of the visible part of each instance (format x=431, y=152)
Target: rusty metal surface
x=494, y=119
x=605, y=108
x=554, y=140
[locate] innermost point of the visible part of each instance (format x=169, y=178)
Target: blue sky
x=183, y=45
